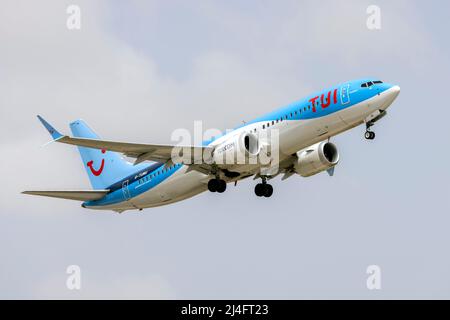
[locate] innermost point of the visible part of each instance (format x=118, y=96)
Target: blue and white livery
x=303, y=130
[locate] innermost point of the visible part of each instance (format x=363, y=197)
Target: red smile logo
x=98, y=172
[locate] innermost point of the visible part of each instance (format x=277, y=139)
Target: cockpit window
x=370, y=83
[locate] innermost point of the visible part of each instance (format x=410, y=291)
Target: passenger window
x=364, y=85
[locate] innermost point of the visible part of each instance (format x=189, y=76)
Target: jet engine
x=316, y=158
x=240, y=149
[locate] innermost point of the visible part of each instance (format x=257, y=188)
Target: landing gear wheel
x=263, y=190
x=212, y=185
x=217, y=185
x=369, y=135
x=259, y=190
x=221, y=186
x=268, y=190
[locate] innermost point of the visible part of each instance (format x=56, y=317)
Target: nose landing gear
x=369, y=135
x=370, y=121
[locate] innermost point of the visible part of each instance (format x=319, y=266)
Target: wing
x=79, y=195
x=141, y=152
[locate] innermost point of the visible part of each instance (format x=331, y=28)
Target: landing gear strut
x=369, y=135
x=217, y=185
x=264, y=189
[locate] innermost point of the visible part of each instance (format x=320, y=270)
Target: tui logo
x=95, y=172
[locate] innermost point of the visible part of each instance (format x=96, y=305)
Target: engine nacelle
x=316, y=158
x=238, y=150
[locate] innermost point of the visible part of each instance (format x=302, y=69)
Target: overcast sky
x=137, y=70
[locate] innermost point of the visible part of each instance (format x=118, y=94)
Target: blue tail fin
x=104, y=168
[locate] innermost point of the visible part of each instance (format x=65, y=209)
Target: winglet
x=53, y=132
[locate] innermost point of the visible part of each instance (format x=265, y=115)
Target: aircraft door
x=345, y=95
x=126, y=191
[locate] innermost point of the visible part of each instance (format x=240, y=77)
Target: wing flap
x=79, y=195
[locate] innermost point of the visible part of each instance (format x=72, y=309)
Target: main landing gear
x=264, y=189
x=369, y=135
x=217, y=185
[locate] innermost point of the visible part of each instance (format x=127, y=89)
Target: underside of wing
x=79, y=195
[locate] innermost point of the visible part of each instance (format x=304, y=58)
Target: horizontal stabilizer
x=79, y=195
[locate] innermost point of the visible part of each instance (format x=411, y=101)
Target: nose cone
x=390, y=95
x=394, y=91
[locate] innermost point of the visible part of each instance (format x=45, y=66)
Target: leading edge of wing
x=78, y=195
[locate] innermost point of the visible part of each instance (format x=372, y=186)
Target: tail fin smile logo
x=95, y=172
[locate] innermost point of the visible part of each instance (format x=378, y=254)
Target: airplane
x=304, y=129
